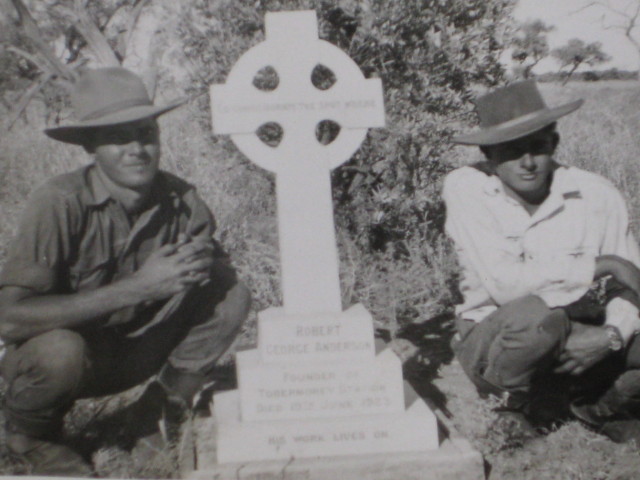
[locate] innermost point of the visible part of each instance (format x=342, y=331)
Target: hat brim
x=518, y=127
x=77, y=133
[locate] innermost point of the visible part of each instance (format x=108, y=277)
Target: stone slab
x=412, y=430
x=292, y=338
x=304, y=390
x=455, y=459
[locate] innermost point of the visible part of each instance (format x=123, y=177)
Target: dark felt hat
x=107, y=96
x=512, y=112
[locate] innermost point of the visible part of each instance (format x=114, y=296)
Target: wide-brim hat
x=107, y=96
x=512, y=112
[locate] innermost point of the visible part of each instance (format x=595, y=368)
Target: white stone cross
x=310, y=281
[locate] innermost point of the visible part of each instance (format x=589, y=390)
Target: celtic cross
x=302, y=164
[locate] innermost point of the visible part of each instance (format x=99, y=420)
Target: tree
x=626, y=18
x=57, y=37
x=530, y=45
x=430, y=54
x=576, y=52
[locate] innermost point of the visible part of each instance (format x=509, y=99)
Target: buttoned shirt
x=506, y=253
x=74, y=236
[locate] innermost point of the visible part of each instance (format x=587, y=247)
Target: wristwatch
x=615, y=338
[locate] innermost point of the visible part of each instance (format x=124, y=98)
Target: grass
x=410, y=297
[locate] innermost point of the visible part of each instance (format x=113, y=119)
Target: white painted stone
x=454, y=460
x=310, y=282
x=412, y=430
x=338, y=337
x=296, y=390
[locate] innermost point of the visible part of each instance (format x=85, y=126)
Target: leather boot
x=43, y=457
x=513, y=416
x=608, y=416
x=180, y=384
x=157, y=418
x=161, y=411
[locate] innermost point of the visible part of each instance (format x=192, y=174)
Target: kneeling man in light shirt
x=549, y=268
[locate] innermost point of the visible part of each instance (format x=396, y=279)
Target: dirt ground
x=566, y=451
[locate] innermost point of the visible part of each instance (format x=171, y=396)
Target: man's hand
x=585, y=347
x=174, y=268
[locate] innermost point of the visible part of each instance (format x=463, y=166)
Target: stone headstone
x=317, y=385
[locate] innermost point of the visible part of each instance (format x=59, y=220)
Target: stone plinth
x=332, y=390
x=289, y=391
x=455, y=459
x=239, y=441
x=294, y=338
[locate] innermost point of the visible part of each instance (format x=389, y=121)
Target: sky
x=586, y=25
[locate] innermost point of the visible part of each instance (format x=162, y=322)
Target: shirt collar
x=95, y=192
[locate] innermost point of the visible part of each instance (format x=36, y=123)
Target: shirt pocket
x=90, y=272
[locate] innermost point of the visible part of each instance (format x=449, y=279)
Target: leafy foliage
x=530, y=45
x=428, y=53
x=576, y=52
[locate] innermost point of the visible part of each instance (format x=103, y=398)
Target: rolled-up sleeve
x=43, y=239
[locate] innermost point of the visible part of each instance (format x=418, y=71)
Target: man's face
x=524, y=165
x=129, y=153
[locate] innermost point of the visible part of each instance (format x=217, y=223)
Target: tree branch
x=26, y=98
x=35, y=35
x=605, y=5
x=29, y=57
x=134, y=16
x=96, y=41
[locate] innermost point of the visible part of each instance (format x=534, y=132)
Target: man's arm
x=587, y=345
x=173, y=268
x=620, y=257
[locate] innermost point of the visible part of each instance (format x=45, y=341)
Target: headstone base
x=412, y=430
x=455, y=459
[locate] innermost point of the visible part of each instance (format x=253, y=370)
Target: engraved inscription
x=317, y=347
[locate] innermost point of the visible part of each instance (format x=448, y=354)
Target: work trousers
x=516, y=348
x=188, y=332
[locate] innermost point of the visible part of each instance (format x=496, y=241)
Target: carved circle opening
x=270, y=134
x=322, y=77
x=266, y=79
x=327, y=131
